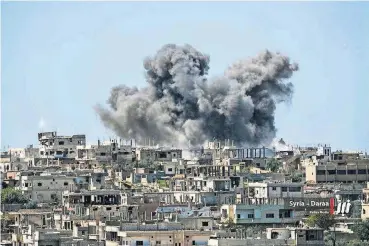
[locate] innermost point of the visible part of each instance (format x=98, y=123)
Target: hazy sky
x=60, y=59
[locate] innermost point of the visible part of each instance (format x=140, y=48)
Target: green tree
x=10, y=195
x=273, y=165
x=296, y=177
x=324, y=221
x=357, y=243
x=362, y=230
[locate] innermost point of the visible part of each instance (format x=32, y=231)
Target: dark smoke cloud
x=180, y=106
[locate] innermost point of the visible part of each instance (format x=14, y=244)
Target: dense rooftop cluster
x=65, y=192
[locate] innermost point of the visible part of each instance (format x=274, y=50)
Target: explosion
x=181, y=106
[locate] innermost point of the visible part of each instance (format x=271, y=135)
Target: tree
x=357, y=243
x=296, y=177
x=30, y=205
x=10, y=195
x=362, y=230
x=324, y=221
x=273, y=165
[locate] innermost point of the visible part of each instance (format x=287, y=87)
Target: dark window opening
x=341, y=172
x=320, y=172
x=351, y=171
x=361, y=171
x=269, y=215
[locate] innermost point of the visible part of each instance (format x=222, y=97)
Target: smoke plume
x=180, y=105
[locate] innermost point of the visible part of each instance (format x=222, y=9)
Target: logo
x=343, y=207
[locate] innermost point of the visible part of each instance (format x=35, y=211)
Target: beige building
x=347, y=172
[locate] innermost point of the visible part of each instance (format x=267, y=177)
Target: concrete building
x=275, y=237
x=46, y=187
x=275, y=190
x=258, y=214
x=339, y=171
x=54, y=146
x=150, y=155
x=161, y=234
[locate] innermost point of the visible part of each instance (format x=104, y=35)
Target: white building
x=275, y=190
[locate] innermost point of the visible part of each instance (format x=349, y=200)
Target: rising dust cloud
x=181, y=106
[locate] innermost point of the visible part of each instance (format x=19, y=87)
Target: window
x=320, y=172
x=205, y=223
x=361, y=171
x=158, y=242
x=139, y=243
x=364, y=211
x=61, y=142
x=274, y=235
x=193, y=242
x=341, y=172
x=351, y=171
x=65, y=183
x=238, y=216
x=26, y=184
x=274, y=188
x=295, y=189
x=331, y=172
x=284, y=189
x=250, y=216
x=39, y=184
x=170, y=169
x=269, y=215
